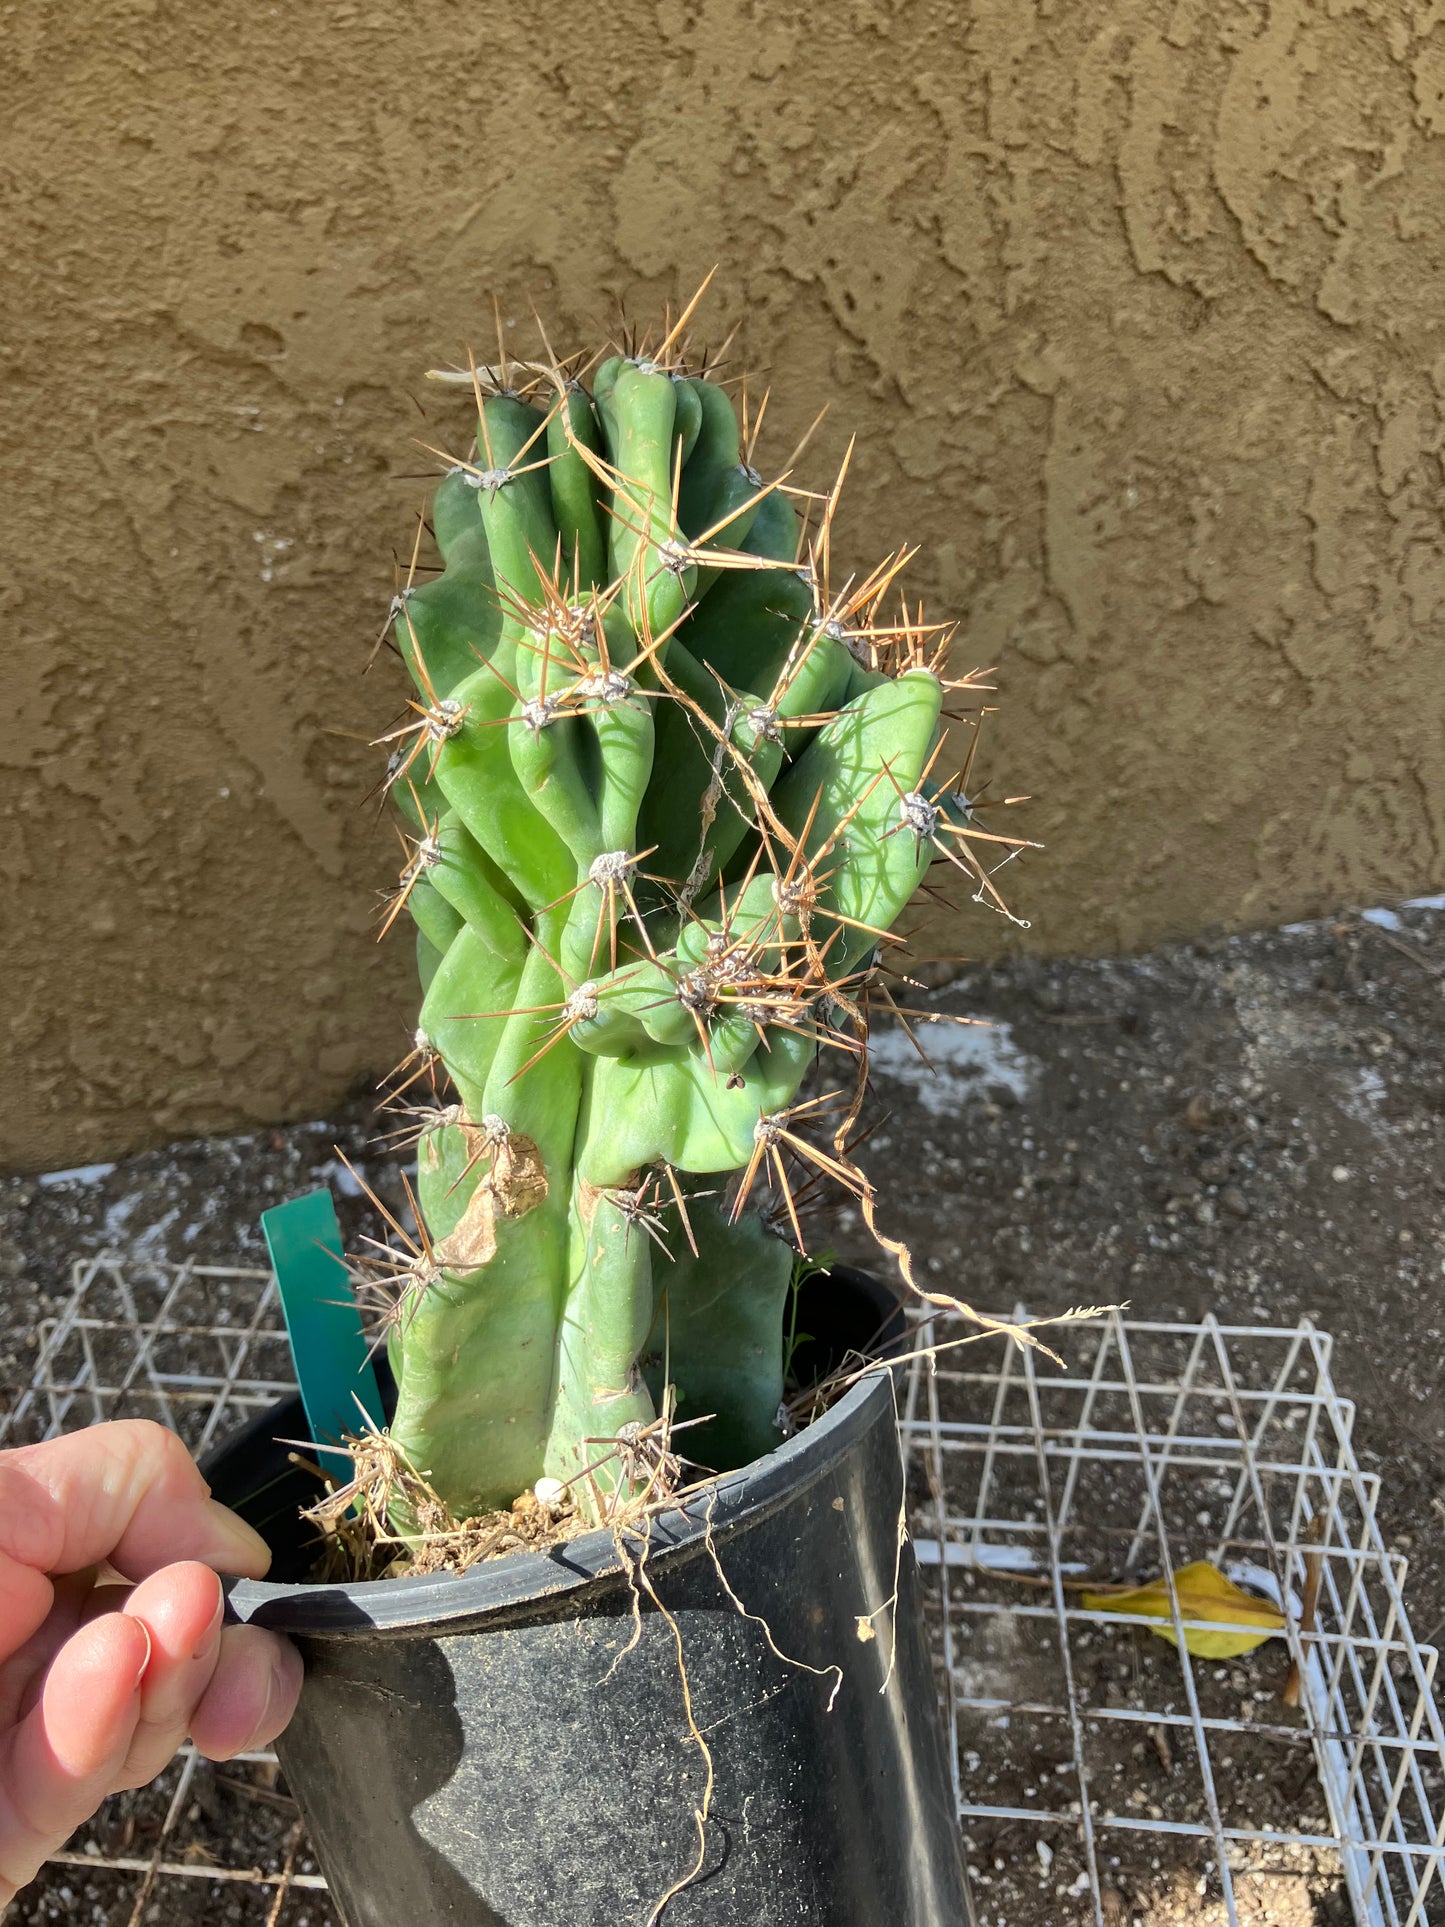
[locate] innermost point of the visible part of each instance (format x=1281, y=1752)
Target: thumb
x=58, y=1764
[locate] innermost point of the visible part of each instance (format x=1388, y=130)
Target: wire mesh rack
x=1094, y=1763
x=1102, y=1775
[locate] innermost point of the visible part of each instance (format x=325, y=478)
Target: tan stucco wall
x=1137, y=305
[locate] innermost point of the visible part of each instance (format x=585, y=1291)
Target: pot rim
x=417, y=1603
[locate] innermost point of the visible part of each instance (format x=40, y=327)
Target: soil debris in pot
x=360, y=1539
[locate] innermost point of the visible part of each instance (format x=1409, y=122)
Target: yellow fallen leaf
x=1204, y=1593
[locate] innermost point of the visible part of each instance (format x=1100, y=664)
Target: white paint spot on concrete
x=120, y=1235
x=1381, y=915
x=335, y=1174
x=77, y=1174
x=151, y=1243
x=117, y=1217
x=966, y=1059
x=1363, y=1098
x=1370, y=1086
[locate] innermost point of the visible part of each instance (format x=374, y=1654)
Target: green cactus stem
x=667, y=794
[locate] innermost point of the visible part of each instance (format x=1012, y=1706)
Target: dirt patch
x=239, y=1815
x=1253, y=1127
x=1032, y=1874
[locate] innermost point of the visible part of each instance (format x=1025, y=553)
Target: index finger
x=128, y=1492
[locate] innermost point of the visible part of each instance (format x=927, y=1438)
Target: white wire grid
x=1162, y=1444
x=199, y=1348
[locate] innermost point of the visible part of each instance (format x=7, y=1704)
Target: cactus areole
x=666, y=790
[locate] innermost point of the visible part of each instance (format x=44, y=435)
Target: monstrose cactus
x=667, y=792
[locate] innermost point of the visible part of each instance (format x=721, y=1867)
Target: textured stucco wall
x=1137, y=305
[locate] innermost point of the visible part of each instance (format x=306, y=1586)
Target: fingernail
x=242, y=1549
x=141, y=1669
x=205, y=1645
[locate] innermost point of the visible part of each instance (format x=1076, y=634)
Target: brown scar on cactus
x=514, y=1183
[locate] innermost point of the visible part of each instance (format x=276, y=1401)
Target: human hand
x=100, y=1679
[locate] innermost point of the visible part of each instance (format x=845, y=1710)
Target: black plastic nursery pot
x=512, y=1746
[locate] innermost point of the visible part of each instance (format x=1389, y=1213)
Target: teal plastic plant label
x=332, y=1359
